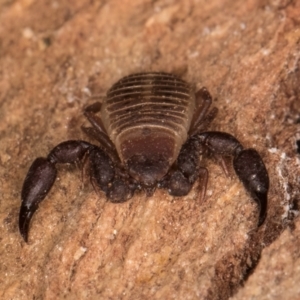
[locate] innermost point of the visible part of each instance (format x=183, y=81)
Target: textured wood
x=55, y=55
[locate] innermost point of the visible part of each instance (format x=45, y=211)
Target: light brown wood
x=55, y=55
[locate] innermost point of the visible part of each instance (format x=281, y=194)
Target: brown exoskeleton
x=151, y=134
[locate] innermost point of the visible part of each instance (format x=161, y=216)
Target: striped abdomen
x=149, y=115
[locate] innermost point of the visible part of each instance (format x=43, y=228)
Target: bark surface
x=56, y=57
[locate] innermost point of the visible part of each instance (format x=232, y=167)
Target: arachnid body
x=152, y=134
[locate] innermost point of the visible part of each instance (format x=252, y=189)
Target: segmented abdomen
x=153, y=102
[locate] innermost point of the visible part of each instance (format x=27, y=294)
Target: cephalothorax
x=152, y=134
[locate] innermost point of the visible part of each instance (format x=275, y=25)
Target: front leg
x=109, y=177
x=186, y=171
x=41, y=177
x=247, y=164
x=42, y=174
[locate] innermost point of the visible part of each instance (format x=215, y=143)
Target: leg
x=203, y=179
x=109, y=177
x=247, y=164
x=201, y=117
x=252, y=172
x=98, y=131
x=41, y=177
x=36, y=186
x=223, y=163
x=104, y=141
x=95, y=107
x=176, y=183
x=203, y=103
x=96, y=122
x=42, y=174
x=186, y=170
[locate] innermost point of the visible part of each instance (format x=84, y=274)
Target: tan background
x=54, y=55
